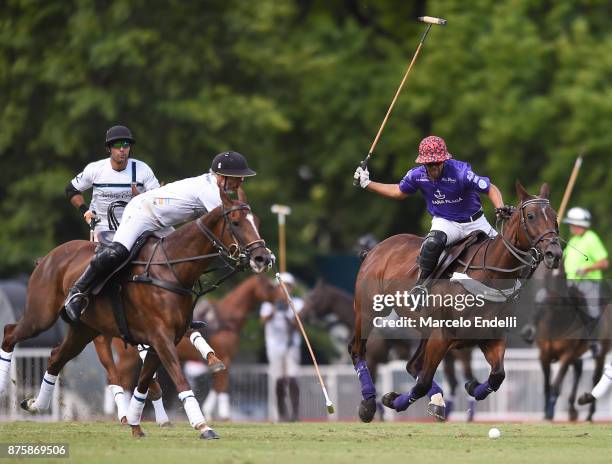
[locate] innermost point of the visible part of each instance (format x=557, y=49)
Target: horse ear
x=520, y=191
x=544, y=191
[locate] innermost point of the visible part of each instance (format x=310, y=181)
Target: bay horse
x=530, y=236
x=156, y=316
x=334, y=306
x=225, y=318
x=562, y=336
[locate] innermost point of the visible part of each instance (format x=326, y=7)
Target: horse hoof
x=166, y=425
x=216, y=367
x=137, y=431
x=367, y=409
x=123, y=420
x=573, y=415
x=471, y=386
x=388, y=398
x=586, y=399
x=27, y=405
x=439, y=412
x=209, y=434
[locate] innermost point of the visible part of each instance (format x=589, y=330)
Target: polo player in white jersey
x=117, y=178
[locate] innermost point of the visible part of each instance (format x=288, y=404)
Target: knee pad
x=434, y=244
x=110, y=256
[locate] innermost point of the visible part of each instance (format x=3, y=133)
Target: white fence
x=253, y=396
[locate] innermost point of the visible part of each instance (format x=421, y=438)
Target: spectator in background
x=283, y=344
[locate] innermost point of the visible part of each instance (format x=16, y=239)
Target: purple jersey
x=454, y=196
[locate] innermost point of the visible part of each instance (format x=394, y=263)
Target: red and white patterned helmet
x=432, y=149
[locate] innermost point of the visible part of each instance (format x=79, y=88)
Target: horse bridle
x=234, y=251
x=532, y=257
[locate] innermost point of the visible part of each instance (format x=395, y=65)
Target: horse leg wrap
x=119, y=398
x=200, y=344
x=402, y=402
x=224, y=406
x=208, y=407
x=43, y=401
x=434, y=390
x=604, y=383
x=368, y=390
x=483, y=390
x=5, y=369
x=160, y=413
x=137, y=404
x=192, y=409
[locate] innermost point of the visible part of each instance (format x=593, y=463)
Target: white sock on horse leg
x=43, y=401
x=5, y=369
x=160, y=413
x=604, y=383
x=192, y=408
x=137, y=404
x=119, y=398
x=198, y=341
x=208, y=407
x=224, y=406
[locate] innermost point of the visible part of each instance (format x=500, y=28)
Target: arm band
x=71, y=191
x=83, y=209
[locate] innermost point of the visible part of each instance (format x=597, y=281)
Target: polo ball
x=494, y=433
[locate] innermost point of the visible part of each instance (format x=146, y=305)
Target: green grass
x=317, y=443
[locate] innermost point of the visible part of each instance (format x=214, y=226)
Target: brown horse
x=156, y=316
x=226, y=318
x=562, y=335
x=530, y=236
x=326, y=302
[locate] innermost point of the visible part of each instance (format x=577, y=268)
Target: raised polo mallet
x=570, y=186
x=281, y=211
x=328, y=402
x=430, y=20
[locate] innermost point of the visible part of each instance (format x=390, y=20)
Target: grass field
x=316, y=443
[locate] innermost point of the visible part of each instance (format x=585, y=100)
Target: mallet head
x=432, y=20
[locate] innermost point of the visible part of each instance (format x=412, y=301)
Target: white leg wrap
x=109, y=402
x=208, y=408
x=224, y=406
x=5, y=370
x=137, y=404
x=160, y=413
x=119, y=398
x=198, y=341
x=604, y=383
x=192, y=408
x=43, y=401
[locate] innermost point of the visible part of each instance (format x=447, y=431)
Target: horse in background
x=334, y=307
x=561, y=336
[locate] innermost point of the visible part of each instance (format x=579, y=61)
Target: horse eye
x=530, y=216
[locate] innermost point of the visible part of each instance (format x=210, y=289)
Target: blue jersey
x=454, y=196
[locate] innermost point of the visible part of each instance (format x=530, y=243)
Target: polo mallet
x=282, y=211
x=570, y=186
x=430, y=20
x=328, y=402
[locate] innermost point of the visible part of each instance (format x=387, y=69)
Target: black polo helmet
x=119, y=133
x=231, y=164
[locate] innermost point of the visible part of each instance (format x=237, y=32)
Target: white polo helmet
x=579, y=217
x=287, y=278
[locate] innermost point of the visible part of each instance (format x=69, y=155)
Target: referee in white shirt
x=117, y=178
x=283, y=343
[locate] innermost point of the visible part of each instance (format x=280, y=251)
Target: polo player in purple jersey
x=452, y=192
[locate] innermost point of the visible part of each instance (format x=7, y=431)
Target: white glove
x=363, y=176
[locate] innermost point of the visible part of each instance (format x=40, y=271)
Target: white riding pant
x=455, y=231
x=138, y=218
x=284, y=363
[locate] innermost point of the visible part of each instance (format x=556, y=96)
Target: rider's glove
x=363, y=176
x=504, y=212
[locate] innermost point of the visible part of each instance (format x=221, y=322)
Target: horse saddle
x=453, y=252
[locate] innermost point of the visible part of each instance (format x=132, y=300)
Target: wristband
x=83, y=209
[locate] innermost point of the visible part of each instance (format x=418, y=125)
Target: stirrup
x=420, y=293
x=70, y=312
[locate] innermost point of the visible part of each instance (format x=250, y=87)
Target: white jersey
x=110, y=185
x=280, y=332
x=183, y=200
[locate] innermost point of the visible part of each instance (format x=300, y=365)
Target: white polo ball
x=494, y=433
